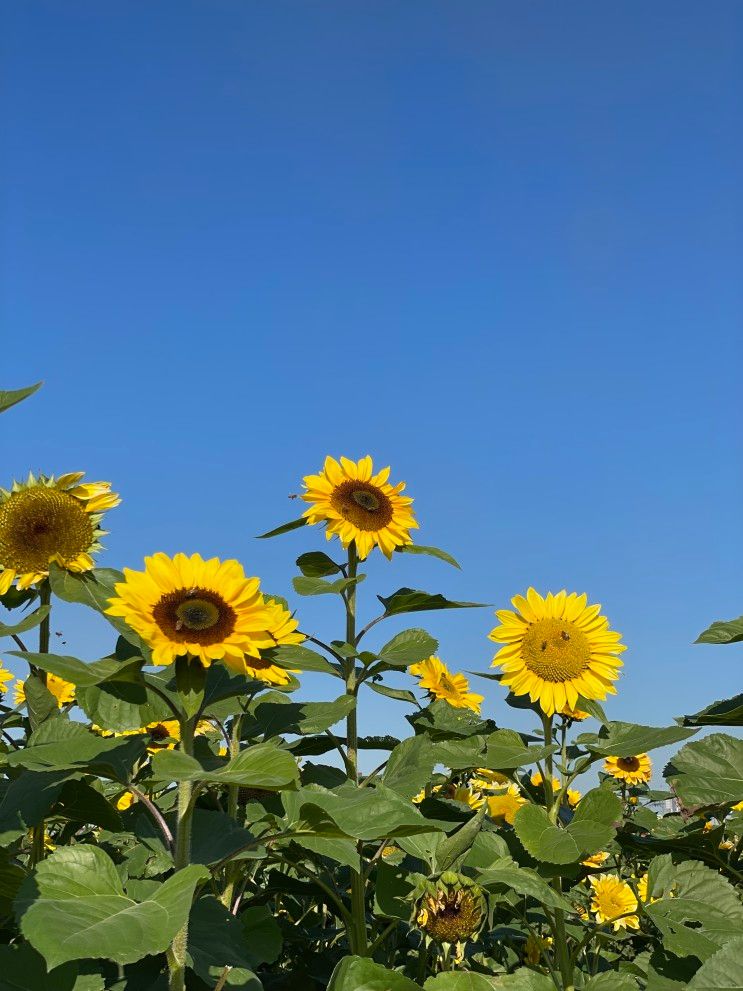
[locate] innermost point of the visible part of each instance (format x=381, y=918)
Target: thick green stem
x=182, y=858
x=45, y=597
x=233, y=794
x=562, y=953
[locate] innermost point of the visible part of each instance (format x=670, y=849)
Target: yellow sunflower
x=282, y=628
x=163, y=735
x=642, y=890
x=612, y=898
x=536, y=780
x=557, y=648
x=63, y=691
x=125, y=801
x=573, y=797
x=358, y=506
x=738, y=807
x=207, y=609
x=577, y=715
x=460, y=793
x=5, y=678
x=49, y=520
x=486, y=780
x=596, y=859
x=635, y=770
x=440, y=683
x=505, y=804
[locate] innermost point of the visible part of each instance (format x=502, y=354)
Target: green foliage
x=708, y=772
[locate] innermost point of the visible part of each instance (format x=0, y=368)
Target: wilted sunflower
x=556, y=648
x=63, y=691
x=504, y=804
x=450, y=909
x=49, y=520
x=440, y=683
x=611, y=898
x=189, y=606
x=358, y=506
x=633, y=770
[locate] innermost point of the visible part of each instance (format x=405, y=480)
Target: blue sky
x=495, y=245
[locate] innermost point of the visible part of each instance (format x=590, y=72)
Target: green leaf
x=401, y=694
x=9, y=397
x=40, y=703
x=598, y=805
x=291, y=656
x=525, y=980
x=461, y=981
x=410, y=766
x=123, y=705
x=363, y=813
x=726, y=712
x=74, y=907
x=318, y=586
x=284, y=528
x=454, y=847
x=263, y=766
x=316, y=564
x=408, y=647
x=59, y=745
x=442, y=721
x=262, y=933
x=506, y=751
x=277, y=715
x=23, y=969
x=413, y=600
x=611, y=981
x=629, y=739
x=81, y=803
x=27, y=801
x=82, y=674
x=362, y=974
x=507, y=875
x=28, y=623
x=730, y=631
x=709, y=771
x=392, y=891
x=190, y=682
x=542, y=839
x=723, y=971
x=430, y=552
x=216, y=940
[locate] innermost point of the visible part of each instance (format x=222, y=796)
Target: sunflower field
x=175, y=816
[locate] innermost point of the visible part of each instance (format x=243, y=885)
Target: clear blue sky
x=495, y=245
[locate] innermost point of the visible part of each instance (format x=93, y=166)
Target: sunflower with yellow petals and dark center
x=47, y=520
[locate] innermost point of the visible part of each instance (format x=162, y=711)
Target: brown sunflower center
x=40, y=524
x=452, y=918
x=194, y=615
x=555, y=650
x=628, y=763
x=362, y=504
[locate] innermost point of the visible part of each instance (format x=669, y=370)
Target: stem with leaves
x=182, y=856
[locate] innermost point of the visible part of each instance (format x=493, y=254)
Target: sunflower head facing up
x=440, y=683
x=635, y=770
x=47, y=520
x=450, y=909
x=63, y=691
x=359, y=507
x=612, y=900
x=555, y=649
x=206, y=609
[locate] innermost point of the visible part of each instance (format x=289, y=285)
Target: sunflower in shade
x=440, y=683
x=63, y=691
x=557, y=648
x=47, y=520
x=612, y=900
x=359, y=506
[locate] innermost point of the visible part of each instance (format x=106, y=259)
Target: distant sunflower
x=163, y=734
x=577, y=715
x=359, y=507
x=612, y=900
x=63, y=691
x=5, y=678
x=207, y=609
x=557, y=648
x=632, y=770
x=467, y=796
x=486, y=780
x=642, y=890
x=440, y=683
x=596, y=860
x=504, y=804
x=49, y=520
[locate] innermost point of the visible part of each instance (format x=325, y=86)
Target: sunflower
x=487, y=780
x=534, y=948
x=596, y=859
x=460, y=793
x=163, y=735
x=632, y=770
x=612, y=898
x=505, y=803
x=5, y=678
x=440, y=683
x=46, y=520
x=282, y=628
x=738, y=807
x=63, y=691
x=125, y=801
x=556, y=648
x=536, y=780
x=577, y=715
x=642, y=890
x=451, y=908
x=359, y=506
x=188, y=606
x=573, y=796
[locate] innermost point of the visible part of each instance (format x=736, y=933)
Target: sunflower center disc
x=367, y=500
x=198, y=614
x=362, y=504
x=40, y=523
x=195, y=615
x=629, y=763
x=555, y=650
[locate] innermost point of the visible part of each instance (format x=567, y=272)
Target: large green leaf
x=81, y=803
x=364, y=813
x=461, y=981
x=590, y=830
x=83, y=674
x=506, y=751
x=123, y=705
x=318, y=586
x=442, y=721
x=629, y=739
x=74, y=907
x=9, y=397
x=316, y=564
x=414, y=600
x=216, y=940
x=362, y=974
x=23, y=969
x=408, y=647
x=723, y=631
x=410, y=766
x=429, y=552
x=59, y=745
x=726, y=712
x=505, y=874
x=278, y=715
x=291, y=656
x=27, y=800
x=263, y=934
x=709, y=771
x=723, y=971
x=32, y=620
x=263, y=766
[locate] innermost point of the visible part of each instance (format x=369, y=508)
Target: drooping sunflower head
x=49, y=520
x=450, y=909
x=634, y=770
x=556, y=648
x=206, y=609
x=440, y=683
x=360, y=507
x=505, y=803
x=63, y=691
x=612, y=900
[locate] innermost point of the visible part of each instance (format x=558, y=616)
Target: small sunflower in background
x=5, y=678
x=207, y=609
x=635, y=770
x=596, y=860
x=440, y=683
x=612, y=900
x=504, y=804
x=49, y=520
x=63, y=691
x=577, y=715
x=360, y=507
x=557, y=648
x=125, y=801
x=487, y=780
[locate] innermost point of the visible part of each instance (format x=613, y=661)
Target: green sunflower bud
x=450, y=908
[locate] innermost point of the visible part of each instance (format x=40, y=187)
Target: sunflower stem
x=45, y=597
x=182, y=857
x=233, y=794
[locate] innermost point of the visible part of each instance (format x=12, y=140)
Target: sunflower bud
x=450, y=908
